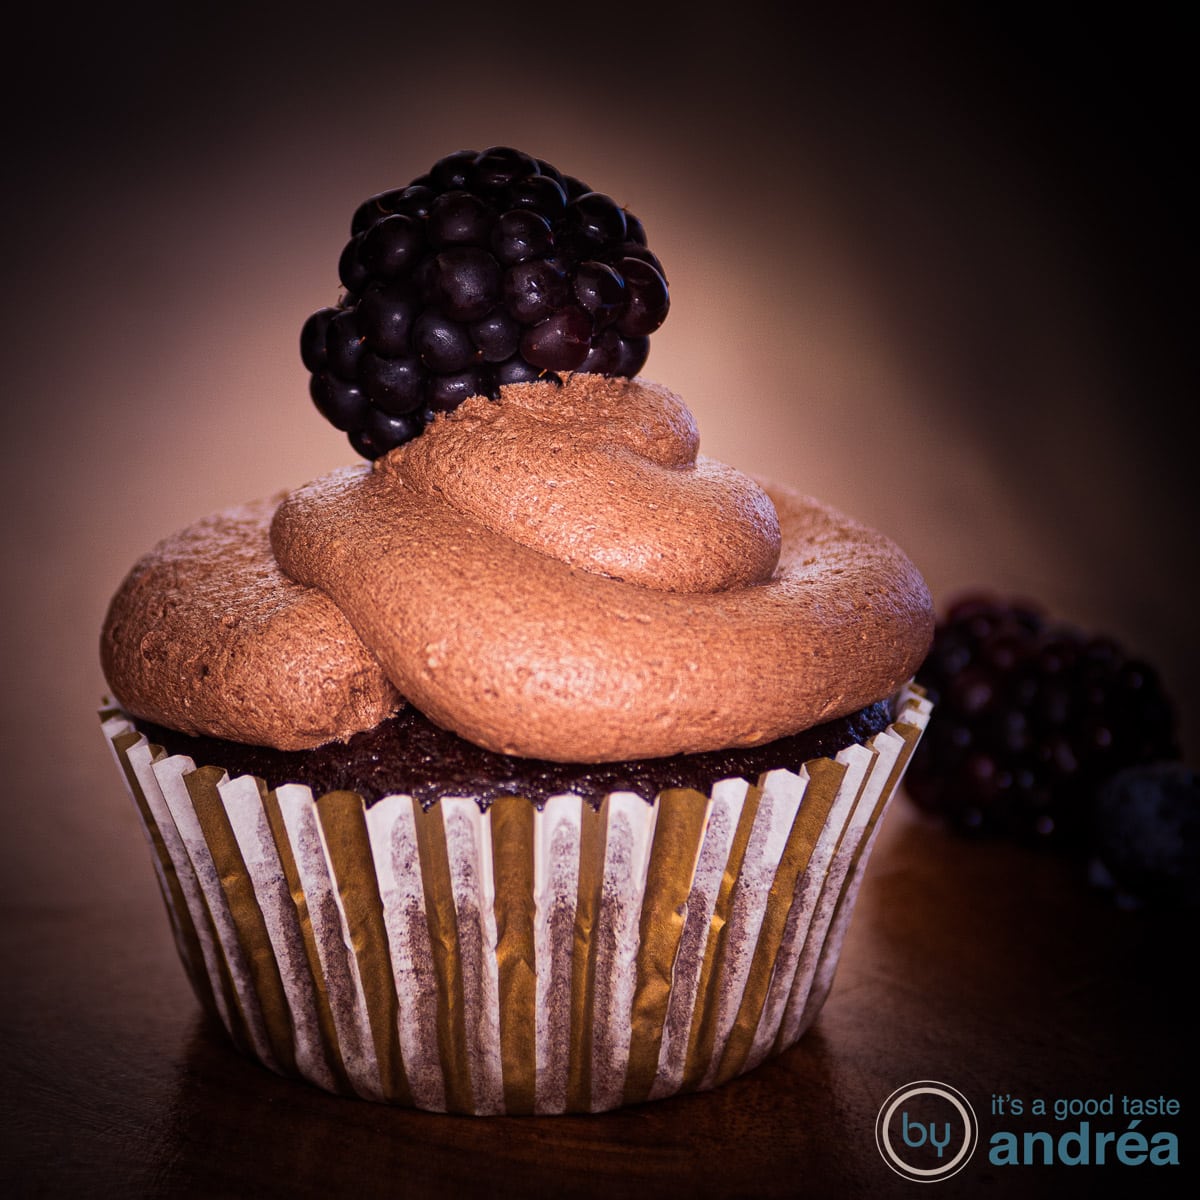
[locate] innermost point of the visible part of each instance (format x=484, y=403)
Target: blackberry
x=494, y=267
x=1033, y=716
x=1145, y=836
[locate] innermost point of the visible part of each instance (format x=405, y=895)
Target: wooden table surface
x=934, y=271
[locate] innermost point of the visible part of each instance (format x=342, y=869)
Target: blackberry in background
x=1145, y=836
x=1033, y=716
x=494, y=267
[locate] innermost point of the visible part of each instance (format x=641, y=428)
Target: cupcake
x=531, y=765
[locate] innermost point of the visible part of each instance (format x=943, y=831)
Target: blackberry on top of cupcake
x=493, y=268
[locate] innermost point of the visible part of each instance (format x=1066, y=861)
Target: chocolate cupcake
x=532, y=766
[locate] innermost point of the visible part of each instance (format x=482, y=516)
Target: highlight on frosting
x=558, y=574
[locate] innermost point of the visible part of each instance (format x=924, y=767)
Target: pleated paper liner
x=515, y=960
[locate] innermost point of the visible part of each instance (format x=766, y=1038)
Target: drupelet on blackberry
x=1032, y=716
x=492, y=268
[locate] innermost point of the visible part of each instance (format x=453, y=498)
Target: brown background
x=935, y=270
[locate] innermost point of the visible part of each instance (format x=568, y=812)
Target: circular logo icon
x=926, y=1131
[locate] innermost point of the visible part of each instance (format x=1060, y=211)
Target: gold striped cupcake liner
x=518, y=960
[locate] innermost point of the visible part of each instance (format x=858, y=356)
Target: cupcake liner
x=518, y=960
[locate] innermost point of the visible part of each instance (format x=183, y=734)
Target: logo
x=926, y=1131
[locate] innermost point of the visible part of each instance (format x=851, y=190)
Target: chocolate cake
x=409, y=755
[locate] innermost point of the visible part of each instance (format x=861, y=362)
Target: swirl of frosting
x=474, y=602
x=557, y=575
x=602, y=475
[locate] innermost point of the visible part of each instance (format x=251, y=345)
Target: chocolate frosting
x=558, y=576
x=207, y=635
x=602, y=475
